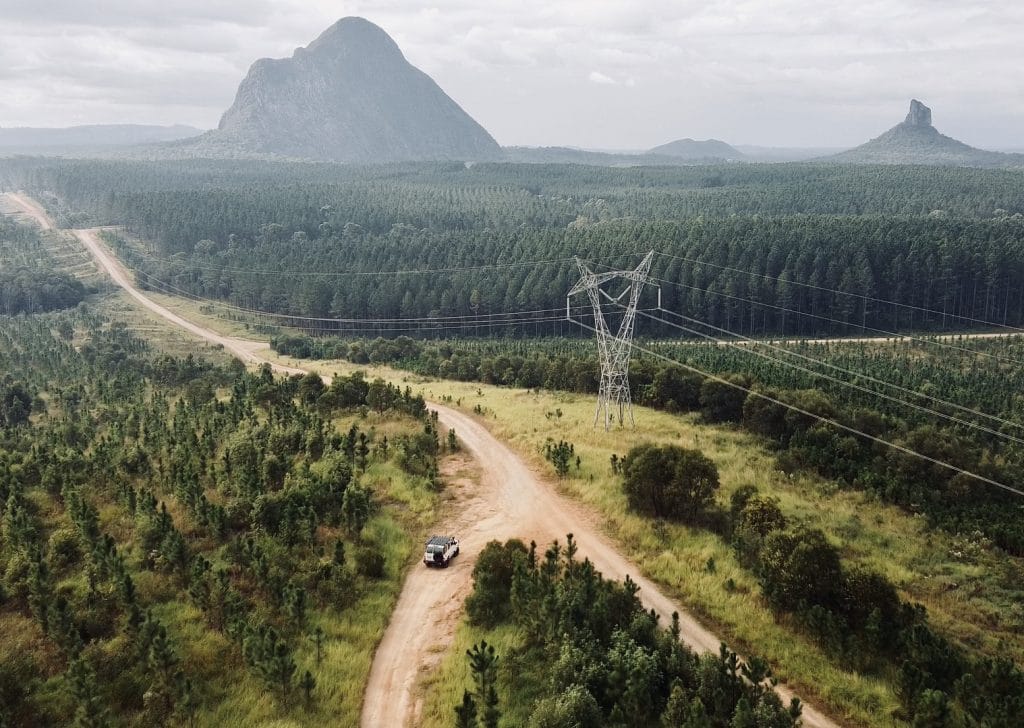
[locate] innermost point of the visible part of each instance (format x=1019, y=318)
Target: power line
x=481, y=319
x=937, y=341
x=893, y=334
x=862, y=375
x=390, y=326
x=820, y=418
x=836, y=380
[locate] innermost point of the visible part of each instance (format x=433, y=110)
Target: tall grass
x=930, y=567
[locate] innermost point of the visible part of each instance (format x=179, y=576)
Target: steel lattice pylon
x=613, y=349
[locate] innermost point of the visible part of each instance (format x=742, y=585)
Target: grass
x=228, y=693
x=517, y=684
x=119, y=306
x=970, y=590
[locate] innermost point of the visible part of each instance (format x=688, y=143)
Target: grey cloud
x=786, y=72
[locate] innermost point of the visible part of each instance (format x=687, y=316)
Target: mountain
x=572, y=155
x=694, y=149
x=349, y=96
x=97, y=136
x=916, y=141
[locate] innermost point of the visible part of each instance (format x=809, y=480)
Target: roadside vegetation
x=797, y=541
x=977, y=376
x=591, y=655
x=185, y=543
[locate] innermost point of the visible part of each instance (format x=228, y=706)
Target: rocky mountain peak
x=349, y=96
x=919, y=114
x=916, y=141
x=353, y=36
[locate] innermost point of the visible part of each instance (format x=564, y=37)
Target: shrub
x=489, y=603
x=370, y=562
x=721, y=402
x=573, y=707
x=64, y=548
x=669, y=482
x=759, y=517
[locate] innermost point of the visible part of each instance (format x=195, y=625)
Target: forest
x=29, y=282
x=185, y=543
x=156, y=511
x=756, y=249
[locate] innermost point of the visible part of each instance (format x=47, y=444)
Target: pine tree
x=743, y=715
x=483, y=661
x=318, y=640
x=465, y=714
x=282, y=667
x=308, y=684
x=82, y=681
x=339, y=553
x=296, y=605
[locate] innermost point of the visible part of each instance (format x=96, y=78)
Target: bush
x=800, y=569
x=489, y=603
x=573, y=707
x=370, y=562
x=759, y=517
x=669, y=482
x=721, y=402
x=64, y=548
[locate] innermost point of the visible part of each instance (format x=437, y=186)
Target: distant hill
x=96, y=136
x=349, y=96
x=916, y=141
x=754, y=153
x=696, y=149
x=572, y=155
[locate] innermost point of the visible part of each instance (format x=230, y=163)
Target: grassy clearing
x=968, y=588
x=119, y=306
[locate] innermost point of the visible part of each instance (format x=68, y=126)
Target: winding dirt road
x=511, y=500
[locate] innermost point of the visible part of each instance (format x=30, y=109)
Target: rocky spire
x=919, y=115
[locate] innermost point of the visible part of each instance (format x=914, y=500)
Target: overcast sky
x=612, y=75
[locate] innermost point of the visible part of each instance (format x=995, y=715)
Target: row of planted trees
x=141, y=488
x=762, y=250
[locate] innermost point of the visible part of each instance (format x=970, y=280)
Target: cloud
x=788, y=72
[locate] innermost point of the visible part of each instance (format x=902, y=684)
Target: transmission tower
x=613, y=349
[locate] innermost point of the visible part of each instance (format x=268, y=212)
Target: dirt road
x=22, y=204
x=511, y=501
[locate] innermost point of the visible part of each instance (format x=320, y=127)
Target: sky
x=585, y=73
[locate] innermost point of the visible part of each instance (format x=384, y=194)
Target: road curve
x=30, y=208
x=510, y=501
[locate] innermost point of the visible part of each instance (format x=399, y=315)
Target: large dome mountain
x=916, y=141
x=349, y=96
